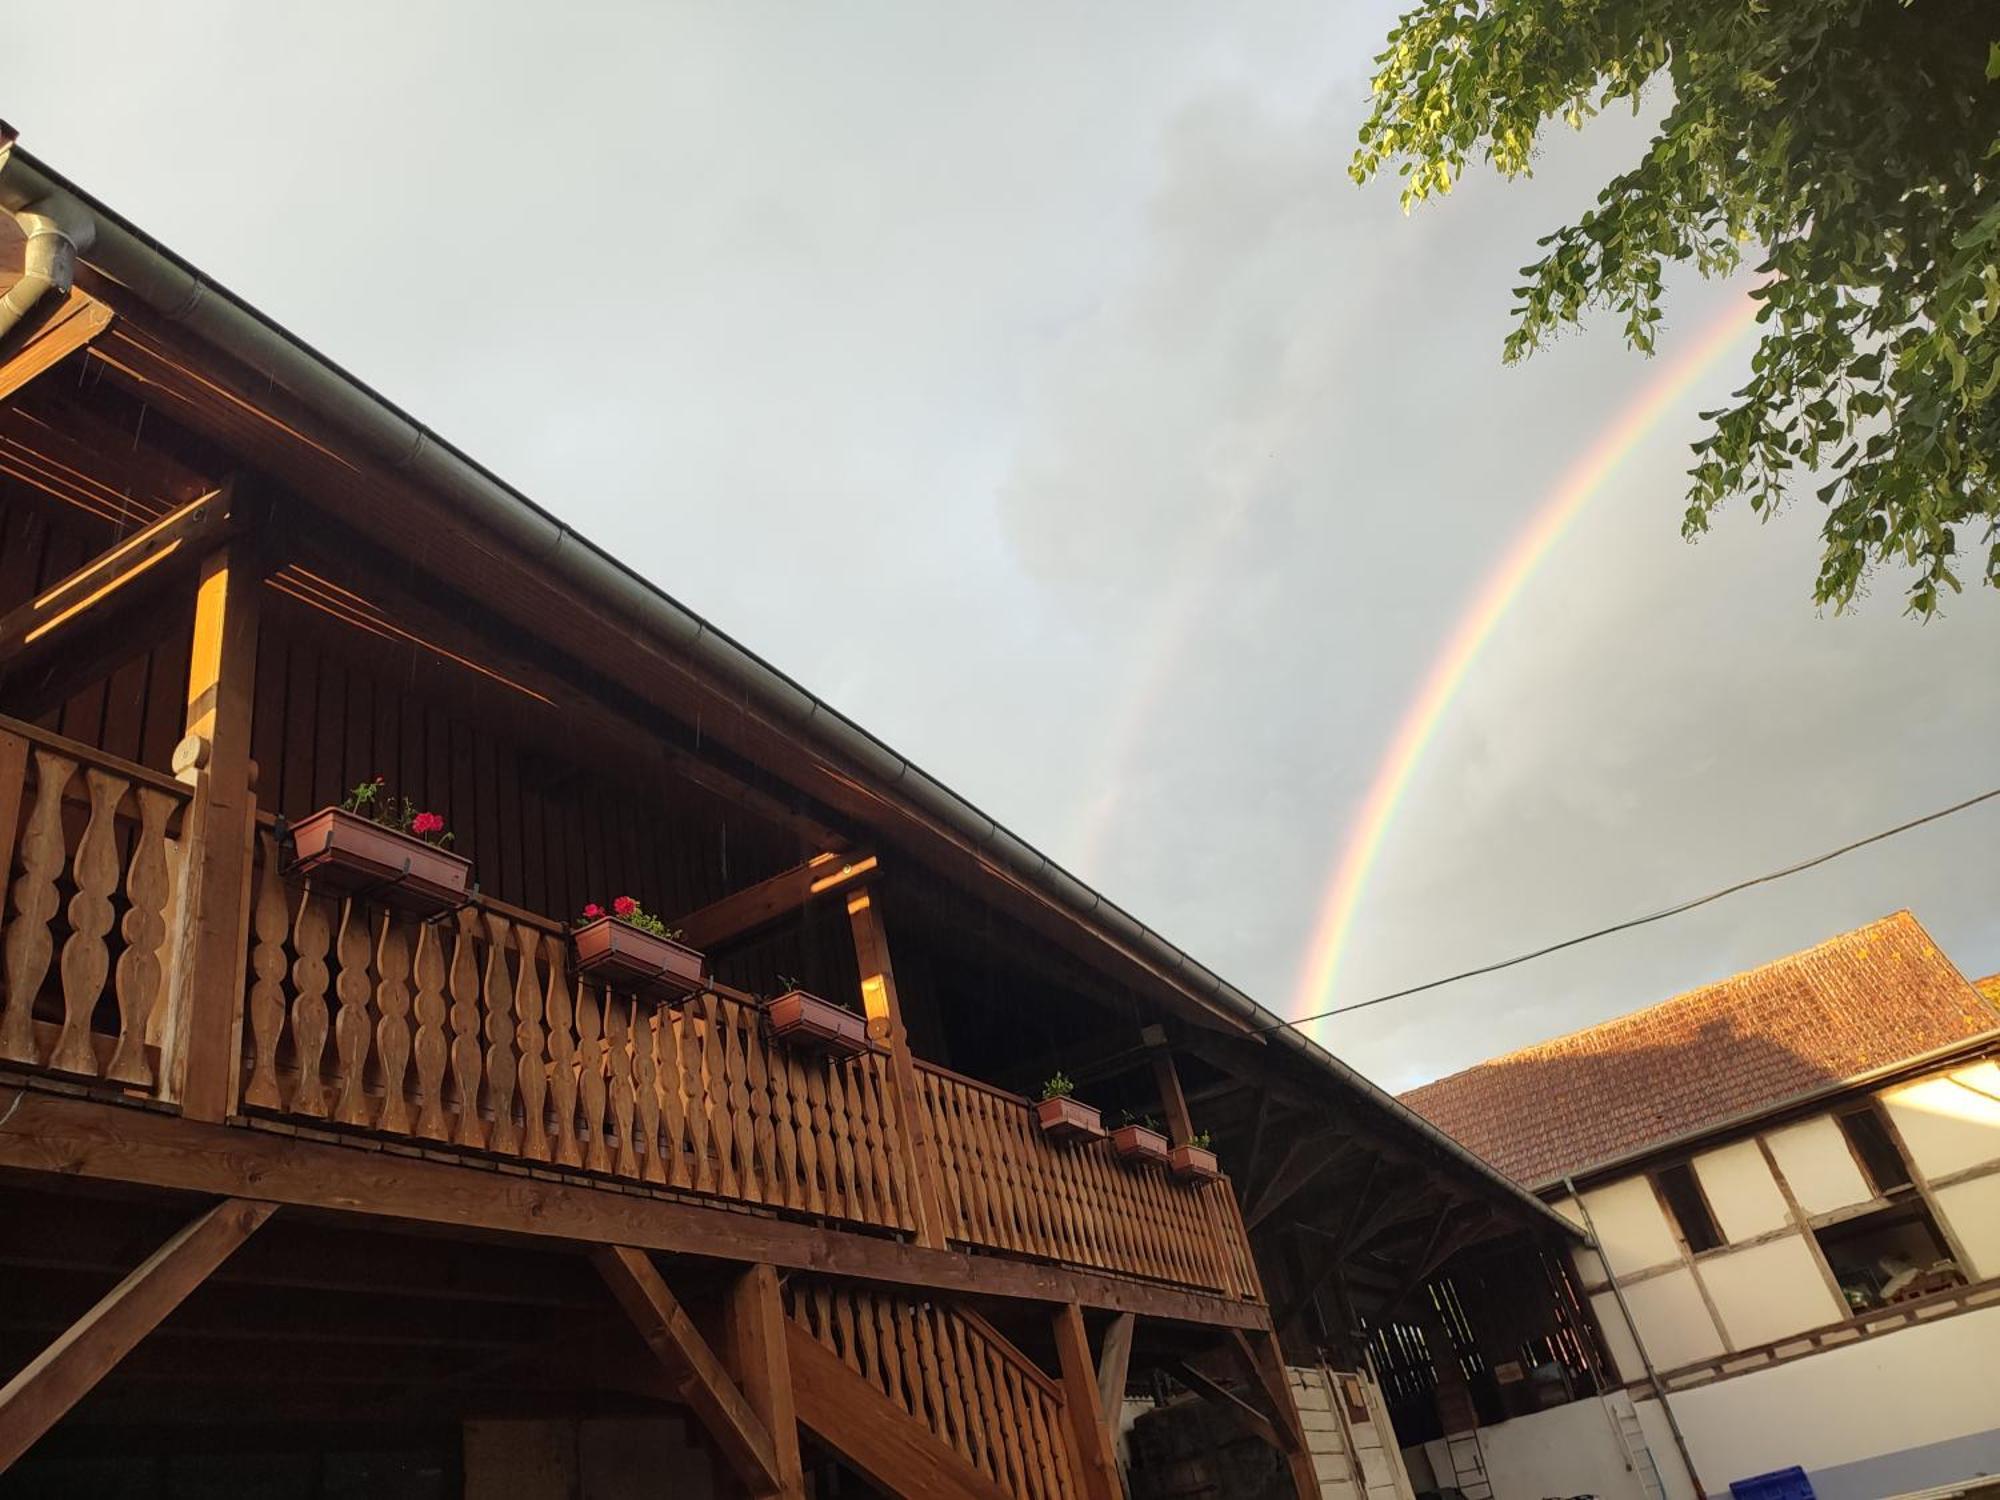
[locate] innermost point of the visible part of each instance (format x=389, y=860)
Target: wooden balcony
x=471, y=1036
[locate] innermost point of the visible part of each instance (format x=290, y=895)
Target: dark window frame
x=1876, y=1151
x=1689, y=1212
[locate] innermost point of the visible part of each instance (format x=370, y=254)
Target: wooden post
x=1173, y=1103
x=36, y=1399
x=693, y=1367
x=206, y=985
x=885, y=1023
x=1090, y=1436
x=755, y=1353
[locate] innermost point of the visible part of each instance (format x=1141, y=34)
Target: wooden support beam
x=176, y=543
x=1173, y=1103
x=1215, y=1392
x=1090, y=1435
x=1267, y=1366
x=885, y=1444
x=696, y=1373
x=754, y=1349
x=34, y=1400
x=1114, y=1364
x=79, y=319
x=206, y=972
x=884, y=1006
x=1302, y=1165
x=743, y=912
x=98, y=1140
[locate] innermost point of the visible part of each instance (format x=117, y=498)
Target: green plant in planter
x=630, y=912
x=1143, y=1121
x=1058, y=1087
x=371, y=800
x=1202, y=1141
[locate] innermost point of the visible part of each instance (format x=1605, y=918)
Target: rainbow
x=1320, y=967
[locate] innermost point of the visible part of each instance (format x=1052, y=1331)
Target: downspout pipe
x=176, y=290
x=57, y=230
x=1638, y=1340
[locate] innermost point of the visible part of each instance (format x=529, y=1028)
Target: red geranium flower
x=593, y=911
x=624, y=906
x=427, y=822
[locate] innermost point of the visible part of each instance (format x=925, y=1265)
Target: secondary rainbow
x=1320, y=968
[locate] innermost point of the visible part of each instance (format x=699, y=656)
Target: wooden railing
x=472, y=1031
x=948, y=1369
x=91, y=846
x=1006, y=1186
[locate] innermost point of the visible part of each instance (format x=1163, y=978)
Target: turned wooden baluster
x=465, y=1043
x=528, y=1040
x=562, y=1058
x=502, y=1068
x=312, y=932
x=266, y=1003
x=590, y=1073
x=85, y=958
x=429, y=1050
x=350, y=1025
x=646, y=1026
x=144, y=928
x=618, y=1060
x=392, y=1024
x=29, y=946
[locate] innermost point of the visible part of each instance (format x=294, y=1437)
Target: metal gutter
x=176, y=290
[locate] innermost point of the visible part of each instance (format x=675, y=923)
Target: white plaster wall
x=1972, y=1208
x=1952, y=1121
x=1666, y=1452
x=1768, y=1291
x=1567, y=1450
x=1631, y=1228
x=1888, y=1395
x=1673, y=1320
x=1741, y=1191
x=1818, y=1167
x=1617, y=1336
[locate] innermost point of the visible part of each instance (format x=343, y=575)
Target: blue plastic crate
x=1779, y=1484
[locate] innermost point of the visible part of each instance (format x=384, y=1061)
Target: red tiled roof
x=1865, y=1000
x=1989, y=987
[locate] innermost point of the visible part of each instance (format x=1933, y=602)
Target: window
x=1685, y=1202
x=1891, y=1255
x=1868, y=1137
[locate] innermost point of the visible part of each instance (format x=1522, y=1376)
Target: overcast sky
x=1149, y=461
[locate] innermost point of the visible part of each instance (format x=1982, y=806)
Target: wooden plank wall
x=546, y=830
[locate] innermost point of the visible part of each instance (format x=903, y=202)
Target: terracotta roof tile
x=1865, y=1000
x=1989, y=987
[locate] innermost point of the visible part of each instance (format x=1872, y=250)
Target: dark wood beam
x=884, y=1443
x=1215, y=1392
x=76, y=321
x=34, y=1400
x=692, y=1367
x=173, y=545
x=1302, y=1165
x=743, y=912
x=87, y=1138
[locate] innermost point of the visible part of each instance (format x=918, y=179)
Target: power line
x=1626, y=926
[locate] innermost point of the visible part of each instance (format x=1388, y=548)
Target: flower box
x=1065, y=1119
x=799, y=1019
x=1137, y=1143
x=342, y=851
x=629, y=957
x=1193, y=1164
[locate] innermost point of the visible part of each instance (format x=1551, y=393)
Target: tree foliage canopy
x=1853, y=145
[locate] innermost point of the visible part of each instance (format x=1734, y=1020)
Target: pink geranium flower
x=593, y=911
x=624, y=906
x=427, y=822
